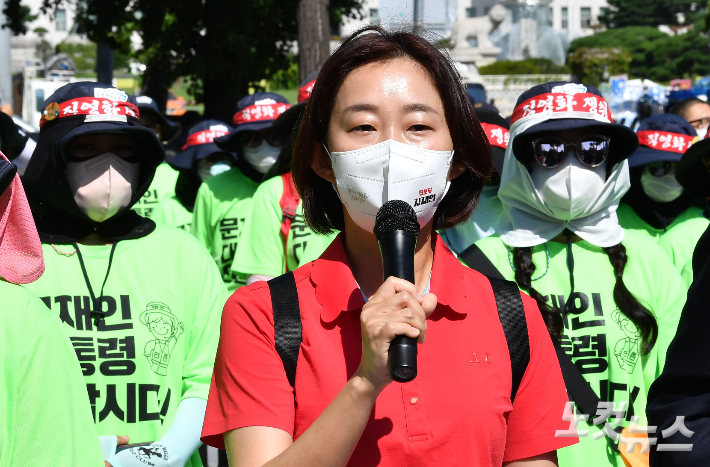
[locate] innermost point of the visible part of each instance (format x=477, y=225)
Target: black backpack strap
x=287, y=322
x=478, y=261
x=515, y=327
x=578, y=388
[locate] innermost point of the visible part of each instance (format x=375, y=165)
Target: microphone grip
x=397, y=248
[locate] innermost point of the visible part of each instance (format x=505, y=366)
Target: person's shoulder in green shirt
x=162, y=187
x=222, y=208
x=44, y=407
x=171, y=212
x=631, y=221
x=679, y=242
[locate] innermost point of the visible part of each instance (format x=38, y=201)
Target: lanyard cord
x=570, y=267
x=96, y=307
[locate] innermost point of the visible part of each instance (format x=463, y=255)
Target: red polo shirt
x=456, y=412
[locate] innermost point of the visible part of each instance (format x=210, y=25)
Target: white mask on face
x=205, y=171
x=661, y=189
x=262, y=157
x=569, y=188
x=702, y=132
x=367, y=178
x=103, y=185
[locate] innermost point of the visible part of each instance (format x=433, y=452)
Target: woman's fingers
x=393, y=286
x=123, y=440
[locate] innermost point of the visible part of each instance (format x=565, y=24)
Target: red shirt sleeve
x=541, y=397
x=249, y=385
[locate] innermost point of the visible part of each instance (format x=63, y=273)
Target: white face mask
x=569, y=188
x=205, y=171
x=103, y=185
x=367, y=178
x=262, y=157
x=661, y=189
x=702, y=132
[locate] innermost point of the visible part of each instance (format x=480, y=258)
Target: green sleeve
x=202, y=217
x=54, y=425
x=159, y=214
x=261, y=246
x=208, y=296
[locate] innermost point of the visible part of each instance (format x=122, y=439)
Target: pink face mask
x=103, y=185
x=21, y=260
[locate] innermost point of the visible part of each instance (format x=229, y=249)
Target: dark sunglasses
x=252, y=139
x=661, y=168
x=591, y=150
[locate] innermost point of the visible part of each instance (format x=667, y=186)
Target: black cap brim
x=151, y=143
x=187, y=158
x=645, y=155
x=230, y=142
x=170, y=129
x=693, y=171
x=624, y=141
x=288, y=121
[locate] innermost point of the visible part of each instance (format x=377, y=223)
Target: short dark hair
x=680, y=108
x=321, y=206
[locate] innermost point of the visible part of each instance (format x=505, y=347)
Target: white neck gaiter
x=367, y=178
x=103, y=185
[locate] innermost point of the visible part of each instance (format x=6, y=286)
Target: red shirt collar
x=337, y=290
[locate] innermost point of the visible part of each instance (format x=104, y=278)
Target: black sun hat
x=662, y=138
x=497, y=132
x=200, y=144
x=146, y=104
x=254, y=113
x=693, y=171
x=569, y=106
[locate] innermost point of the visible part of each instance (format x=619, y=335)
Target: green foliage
x=530, y=66
x=84, y=55
x=654, y=54
x=286, y=78
x=17, y=16
x=624, y=13
x=590, y=65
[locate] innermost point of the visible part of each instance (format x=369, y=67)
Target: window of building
x=61, y=19
x=565, y=18
x=374, y=16
x=585, y=15
x=471, y=12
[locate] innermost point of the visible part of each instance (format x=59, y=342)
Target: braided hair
x=623, y=298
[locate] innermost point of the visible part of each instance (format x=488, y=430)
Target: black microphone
x=396, y=229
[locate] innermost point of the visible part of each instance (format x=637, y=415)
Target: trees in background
x=222, y=47
x=622, y=13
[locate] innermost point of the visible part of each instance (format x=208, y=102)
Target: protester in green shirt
x=656, y=202
x=163, y=185
x=141, y=303
x=489, y=210
x=692, y=173
x=223, y=203
x=199, y=160
x=34, y=351
x=611, y=297
x=277, y=238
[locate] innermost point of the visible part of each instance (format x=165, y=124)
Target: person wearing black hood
x=144, y=332
x=199, y=160
x=223, y=204
x=656, y=201
x=163, y=185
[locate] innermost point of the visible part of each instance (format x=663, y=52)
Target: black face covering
x=56, y=214
x=657, y=215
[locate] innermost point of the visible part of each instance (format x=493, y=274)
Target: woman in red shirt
x=387, y=119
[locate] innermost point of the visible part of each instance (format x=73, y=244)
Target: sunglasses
x=252, y=139
x=661, y=168
x=591, y=150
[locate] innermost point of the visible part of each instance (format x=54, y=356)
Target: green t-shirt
x=679, y=242
x=221, y=211
x=261, y=248
x=162, y=187
x=629, y=220
x=171, y=212
x=44, y=408
x=602, y=342
x=156, y=345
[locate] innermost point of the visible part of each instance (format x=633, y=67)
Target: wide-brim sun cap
x=662, y=138
x=254, y=113
x=570, y=106
x=146, y=104
x=200, y=144
x=497, y=131
x=21, y=258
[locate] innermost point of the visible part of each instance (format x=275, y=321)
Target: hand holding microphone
x=396, y=314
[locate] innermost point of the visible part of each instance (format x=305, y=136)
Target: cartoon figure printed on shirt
x=627, y=349
x=166, y=329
